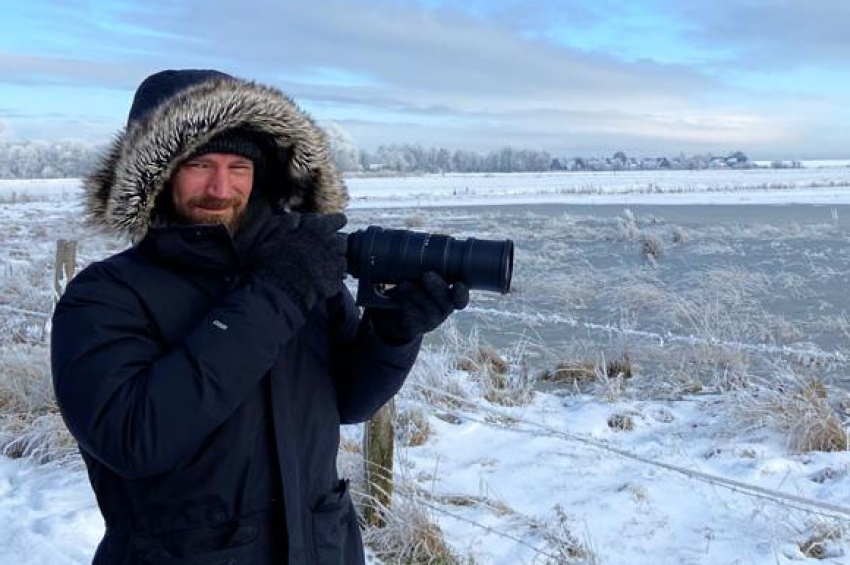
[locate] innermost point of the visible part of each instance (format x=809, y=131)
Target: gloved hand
x=303, y=255
x=422, y=306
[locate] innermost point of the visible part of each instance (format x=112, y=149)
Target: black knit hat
x=236, y=142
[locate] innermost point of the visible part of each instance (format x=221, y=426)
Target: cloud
x=414, y=60
x=737, y=32
x=26, y=69
x=775, y=35
x=561, y=75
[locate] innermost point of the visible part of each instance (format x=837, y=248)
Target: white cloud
x=492, y=73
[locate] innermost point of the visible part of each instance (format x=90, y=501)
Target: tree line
x=74, y=159
x=60, y=159
x=408, y=158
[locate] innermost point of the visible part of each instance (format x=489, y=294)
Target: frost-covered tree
x=443, y=160
x=58, y=159
x=343, y=148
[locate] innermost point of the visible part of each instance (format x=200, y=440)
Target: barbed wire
x=799, y=503
x=25, y=312
x=416, y=498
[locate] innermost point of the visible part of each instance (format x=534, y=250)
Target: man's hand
x=304, y=256
x=422, y=306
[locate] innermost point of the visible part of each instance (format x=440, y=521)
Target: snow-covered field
x=653, y=469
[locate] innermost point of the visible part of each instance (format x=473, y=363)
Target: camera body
x=378, y=257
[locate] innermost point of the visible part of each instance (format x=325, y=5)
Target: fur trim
x=122, y=191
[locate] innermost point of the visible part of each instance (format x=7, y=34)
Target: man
x=205, y=371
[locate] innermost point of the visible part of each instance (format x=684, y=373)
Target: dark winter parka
x=206, y=405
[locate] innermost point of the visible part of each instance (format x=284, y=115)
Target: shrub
x=651, y=247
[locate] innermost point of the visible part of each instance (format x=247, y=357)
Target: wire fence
x=826, y=509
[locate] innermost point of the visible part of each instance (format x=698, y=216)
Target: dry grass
x=501, y=379
x=41, y=438
x=622, y=422
x=651, y=247
x=415, y=221
x=30, y=425
x=435, y=382
x=589, y=371
x=824, y=540
x=800, y=408
x=562, y=545
x=571, y=372
x=722, y=305
x=411, y=537
x=411, y=425
x=25, y=384
x=620, y=367
x=482, y=359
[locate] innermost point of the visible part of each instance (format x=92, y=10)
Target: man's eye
x=196, y=165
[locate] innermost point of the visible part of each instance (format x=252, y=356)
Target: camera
x=378, y=257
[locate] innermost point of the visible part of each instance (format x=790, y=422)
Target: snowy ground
x=688, y=484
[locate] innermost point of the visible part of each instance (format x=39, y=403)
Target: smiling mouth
x=213, y=209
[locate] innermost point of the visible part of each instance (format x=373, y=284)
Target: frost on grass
x=651, y=247
x=411, y=536
x=411, y=425
x=825, y=542
x=801, y=408
x=30, y=424
x=563, y=546
x=501, y=378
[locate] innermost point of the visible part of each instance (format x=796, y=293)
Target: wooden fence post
x=65, y=266
x=378, y=438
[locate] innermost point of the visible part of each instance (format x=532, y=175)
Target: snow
x=688, y=485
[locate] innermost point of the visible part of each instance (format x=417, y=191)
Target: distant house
x=737, y=160
x=718, y=163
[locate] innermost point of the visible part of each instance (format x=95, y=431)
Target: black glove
x=303, y=255
x=422, y=306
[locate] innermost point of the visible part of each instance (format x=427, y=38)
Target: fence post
x=378, y=438
x=65, y=265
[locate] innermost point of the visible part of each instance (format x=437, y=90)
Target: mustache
x=213, y=203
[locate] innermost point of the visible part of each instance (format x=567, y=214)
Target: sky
x=572, y=77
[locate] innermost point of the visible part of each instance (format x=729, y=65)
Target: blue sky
x=649, y=77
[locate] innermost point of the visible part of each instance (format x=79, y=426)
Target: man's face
x=213, y=189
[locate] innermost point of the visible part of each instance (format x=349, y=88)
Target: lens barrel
x=389, y=256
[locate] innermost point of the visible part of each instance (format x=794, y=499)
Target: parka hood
x=122, y=191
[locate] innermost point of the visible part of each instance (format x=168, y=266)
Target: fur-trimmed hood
x=122, y=191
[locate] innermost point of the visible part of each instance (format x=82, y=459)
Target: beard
x=211, y=210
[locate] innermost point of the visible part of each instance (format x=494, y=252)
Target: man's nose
x=219, y=183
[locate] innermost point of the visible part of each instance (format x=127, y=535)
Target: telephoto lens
x=389, y=256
